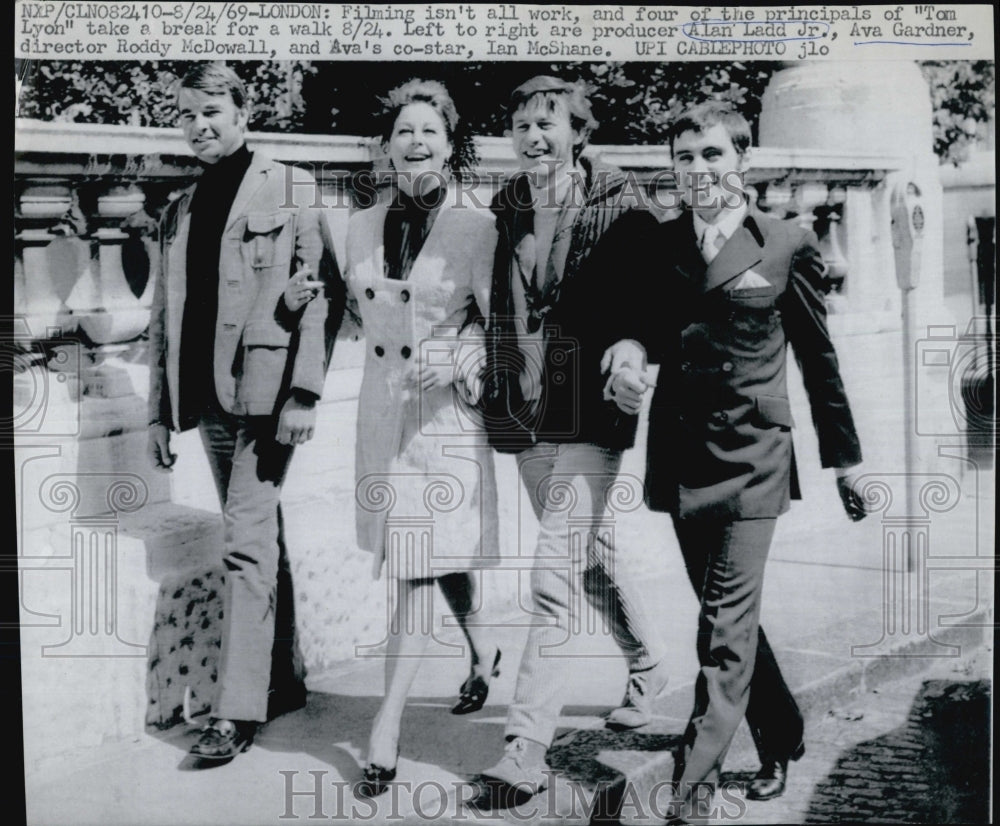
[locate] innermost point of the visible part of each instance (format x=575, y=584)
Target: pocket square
x=751, y=280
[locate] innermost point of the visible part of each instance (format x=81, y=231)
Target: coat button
x=379, y=350
x=369, y=293
x=727, y=367
x=405, y=295
x=686, y=366
x=405, y=352
x=720, y=417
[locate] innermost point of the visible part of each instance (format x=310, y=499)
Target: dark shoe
x=224, y=739
x=644, y=687
x=475, y=690
x=769, y=782
x=376, y=780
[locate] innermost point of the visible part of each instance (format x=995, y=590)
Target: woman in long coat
x=418, y=272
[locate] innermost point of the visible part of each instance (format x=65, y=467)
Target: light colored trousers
x=249, y=466
x=569, y=486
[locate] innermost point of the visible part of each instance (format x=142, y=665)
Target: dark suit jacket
x=579, y=325
x=720, y=441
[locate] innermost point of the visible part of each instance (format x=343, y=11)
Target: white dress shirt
x=712, y=237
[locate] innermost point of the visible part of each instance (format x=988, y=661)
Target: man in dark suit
x=228, y=358
x=737, y=287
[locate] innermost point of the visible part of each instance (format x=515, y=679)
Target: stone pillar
x=867, y=108
x=877, y=108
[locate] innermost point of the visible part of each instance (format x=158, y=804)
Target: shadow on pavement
x=933, y=769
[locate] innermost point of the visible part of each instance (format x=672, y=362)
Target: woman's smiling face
x=419, y=144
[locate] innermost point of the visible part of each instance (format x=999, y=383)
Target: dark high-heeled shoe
x=376, y=779
x=475, y=690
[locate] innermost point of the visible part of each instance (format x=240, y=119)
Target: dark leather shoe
x=769, y=782
x=224, y=739
x=475, y=690
x=376, y=779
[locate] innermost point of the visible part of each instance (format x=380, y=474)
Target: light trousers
x=569, y=486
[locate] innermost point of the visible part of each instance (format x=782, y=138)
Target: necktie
x=711, y=242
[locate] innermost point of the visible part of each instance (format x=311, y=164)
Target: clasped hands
x=629, y=379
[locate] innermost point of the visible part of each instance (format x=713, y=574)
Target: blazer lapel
x=252, y=181
x=743, y=250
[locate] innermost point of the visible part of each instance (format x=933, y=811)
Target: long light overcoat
x=426, y=499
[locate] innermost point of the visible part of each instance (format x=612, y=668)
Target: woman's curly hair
x=463, y=158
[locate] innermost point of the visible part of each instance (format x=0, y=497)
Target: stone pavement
x=916, y=749
x=841, y=611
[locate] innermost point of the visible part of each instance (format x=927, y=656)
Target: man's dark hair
x=703, y=116
x=551, y=89
x=215, y=79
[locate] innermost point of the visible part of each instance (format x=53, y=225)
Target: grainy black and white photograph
x=501, y=413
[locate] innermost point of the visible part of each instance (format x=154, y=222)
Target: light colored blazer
x=262, y=351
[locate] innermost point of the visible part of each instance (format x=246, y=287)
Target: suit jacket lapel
x=252, y=181
x=743, y=250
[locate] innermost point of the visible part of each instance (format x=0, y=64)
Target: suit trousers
x=568, y=486
x=738, y=674
x=258, y=624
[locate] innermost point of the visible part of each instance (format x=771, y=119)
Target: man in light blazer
x=731, y=288
x=227, y=358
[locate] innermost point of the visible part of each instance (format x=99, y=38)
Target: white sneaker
x=522, y=767
x=644, y=687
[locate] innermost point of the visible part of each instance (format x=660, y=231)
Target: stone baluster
x=776, y=198
x=108, y=308
x=40, y=285
x=809, y=195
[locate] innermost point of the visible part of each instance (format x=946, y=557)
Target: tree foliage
x=143, y=94
x=963, y=96
x=632, y=101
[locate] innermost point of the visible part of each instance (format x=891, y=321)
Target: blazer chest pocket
x=265, y=362
x=267, y=243
x=772, y=411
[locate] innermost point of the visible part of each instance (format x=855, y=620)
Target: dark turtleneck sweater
x=408, y=222
x=213, y=198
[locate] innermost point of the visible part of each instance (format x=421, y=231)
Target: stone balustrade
x=87, y=198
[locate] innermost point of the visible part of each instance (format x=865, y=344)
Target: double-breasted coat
x=426, y=499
